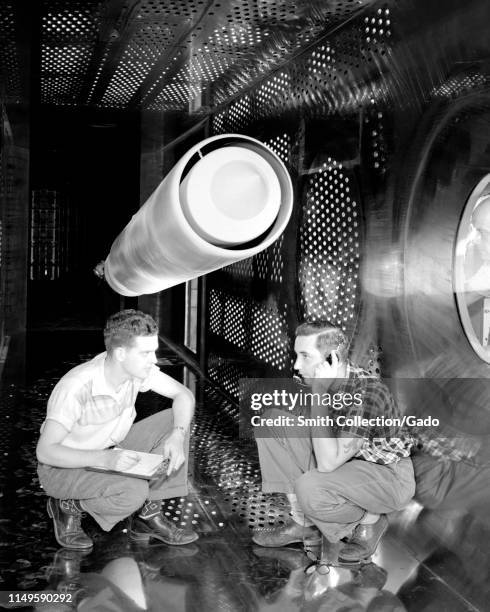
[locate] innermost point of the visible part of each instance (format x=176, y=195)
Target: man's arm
x=331, y=453
x=183, y=399
x=183, y=411
x=51, y=451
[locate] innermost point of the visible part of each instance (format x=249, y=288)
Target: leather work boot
x=66, y=515
x=364, y=541
x=282, y=535
x=160, y=528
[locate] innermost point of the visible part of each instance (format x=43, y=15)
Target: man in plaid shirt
x=344, y=477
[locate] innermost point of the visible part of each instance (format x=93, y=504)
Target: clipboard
x=147, y=467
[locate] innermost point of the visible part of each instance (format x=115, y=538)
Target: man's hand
x=324, y=374
x=120, y=460
x=325, y=370
x=173, y=449
x=160, y=471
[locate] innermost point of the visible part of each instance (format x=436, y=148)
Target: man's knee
x=137, y=494
x=129, y=495
x=310, y=498
x=265, y=445
x=432, y=477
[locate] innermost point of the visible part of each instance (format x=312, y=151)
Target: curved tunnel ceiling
x=175, y=55
x=323, y=57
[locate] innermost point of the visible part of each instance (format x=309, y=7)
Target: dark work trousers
x=110, y=498
x=335, y=501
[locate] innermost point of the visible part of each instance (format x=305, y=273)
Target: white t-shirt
x=95, y=416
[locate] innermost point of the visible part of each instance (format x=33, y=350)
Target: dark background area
x=91, y=158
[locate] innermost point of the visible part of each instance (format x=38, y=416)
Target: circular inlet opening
x=245, y=202
x=231, y=196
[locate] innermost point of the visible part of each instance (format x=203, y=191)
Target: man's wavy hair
x=124, y=326
x=329, y=337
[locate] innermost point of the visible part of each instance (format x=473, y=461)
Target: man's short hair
x=329, y=337
x=124, y=326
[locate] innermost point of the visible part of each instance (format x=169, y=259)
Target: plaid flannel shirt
x=382, y=444
x=453, y=445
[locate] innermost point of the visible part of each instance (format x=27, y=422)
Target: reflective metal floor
x=427, y=561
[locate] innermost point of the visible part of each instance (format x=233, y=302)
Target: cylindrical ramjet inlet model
x=228, y=198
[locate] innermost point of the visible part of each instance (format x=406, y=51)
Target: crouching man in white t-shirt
x=90, y=411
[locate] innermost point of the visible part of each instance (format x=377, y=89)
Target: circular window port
x=472, y=269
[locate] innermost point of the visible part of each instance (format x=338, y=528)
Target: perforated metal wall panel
x=329, y=246
x=322, y=56
x=68, y=36
x=9, y=60
x=174, y=55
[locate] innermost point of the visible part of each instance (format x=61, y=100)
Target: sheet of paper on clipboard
x=148, y=466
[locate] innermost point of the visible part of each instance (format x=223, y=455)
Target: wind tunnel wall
x=355, y=118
